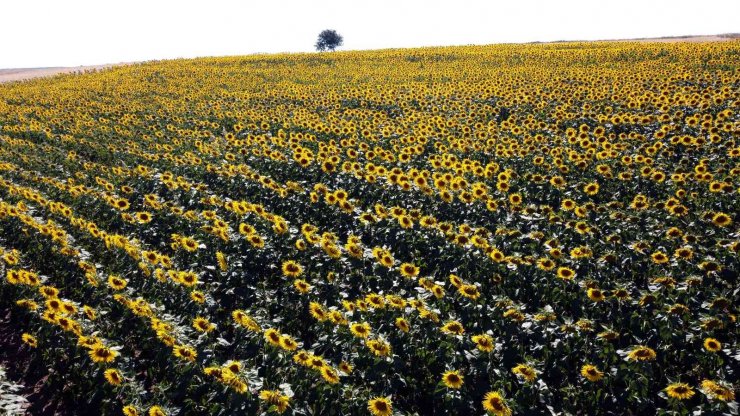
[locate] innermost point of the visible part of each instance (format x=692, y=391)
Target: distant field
x=504, y=229
x=18, y=74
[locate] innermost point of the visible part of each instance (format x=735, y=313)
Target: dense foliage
x=505, y=229
x=328, y=39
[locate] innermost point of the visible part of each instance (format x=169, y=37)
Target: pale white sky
x=36, y=33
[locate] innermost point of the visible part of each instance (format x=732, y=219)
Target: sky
x=47, y=33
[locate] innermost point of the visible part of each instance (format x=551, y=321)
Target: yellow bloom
x=273, y=337
x=494, y=403
x=483, y=342
x=452, y=379
x=113, y=376
x=291, y=269
x=117, y=283
x=185, y=352
x=591, y=188
x=102, y=354
x=712, y=345
x=330, y=375
x=641, y=353
x=129, y=410
x=275, y=398
x=566, y=273
x=360, y=330
x=157, y=411
x=380, y=406
x=717, y=391
x=29, y=340
x=301, y=286
x=203, y=325
x=595, y=295
x=402, y=324
x=680, y=391
x=526, y=372
x=453, y=328
x=408, y=270
x=591, y=373
x=721, y=219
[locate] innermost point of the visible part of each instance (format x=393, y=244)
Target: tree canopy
x=328, y=39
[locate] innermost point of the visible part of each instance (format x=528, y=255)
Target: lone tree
x=328, y=40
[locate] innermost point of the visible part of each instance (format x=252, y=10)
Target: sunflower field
x=507, y=229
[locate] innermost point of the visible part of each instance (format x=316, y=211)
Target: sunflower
x=596, y=295
x=117, y=283
x=234, y=367
x=438, y=291
x=717, y=391
x=157, y=411
x=360, y=330
x=185, y=352
x=129, y=410
x=189, y=244
x=143, y=217
x=187, y=278
x=386, y=260
x=469, y=291
x=89, y=312
x=680, y=391
x=256, y=241
x=151, y=256
x=301, y=286
x=721, y=219
x=712, y=345
x=29, y=340
x=545, y=264
x=515, y=199
x=292, y=269
x=403, y=324
x=379, y=347
x=345, y=367
x=494, y=403
x=221, y=259
x=113, y=376
x=591, y=188
x=685, y=253
x=197, y=297
x=203, y=325
x=275, y=398
x=122, y=204
x=300, y=244
x=330, y=375
x=316, y=362
x=566, y=273
x=452, y=379
x=408, y=270
x=591, y=373
x=456, y=280
x=49, y=292
x=273, y=337
x=453, y=328
x=405, y=222
x=641, y=353
x=101, y=354
x=380, y=406
x=659, y=257
x=526, y=372
x=483, y=342
x=288, y=343
x=568, y=204
x=317, y=311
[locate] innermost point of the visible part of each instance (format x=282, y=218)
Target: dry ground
x=19, y=74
